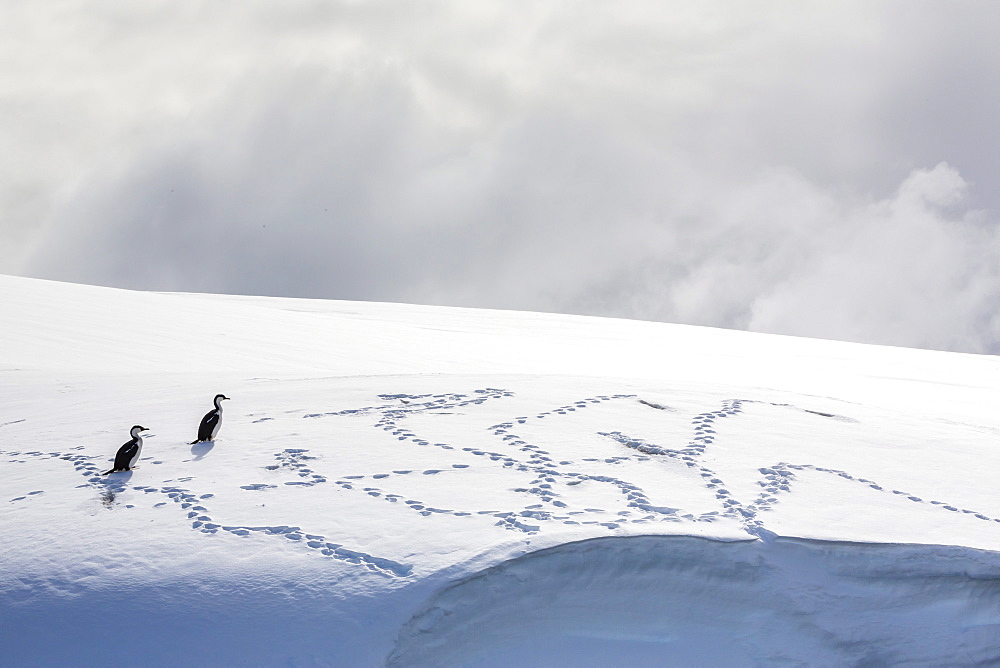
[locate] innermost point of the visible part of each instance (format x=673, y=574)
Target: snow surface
x=411, y=485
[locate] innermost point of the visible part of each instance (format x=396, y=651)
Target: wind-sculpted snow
x=682, y=601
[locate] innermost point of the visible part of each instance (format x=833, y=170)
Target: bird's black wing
x=207, y=425
x=125, y=454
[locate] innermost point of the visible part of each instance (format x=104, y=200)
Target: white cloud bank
x=768, y=167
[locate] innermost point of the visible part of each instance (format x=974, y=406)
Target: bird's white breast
x=138, y=451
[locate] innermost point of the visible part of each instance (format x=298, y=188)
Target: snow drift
x=653, y=600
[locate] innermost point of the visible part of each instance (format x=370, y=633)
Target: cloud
x=760, y=167
x=903, y=270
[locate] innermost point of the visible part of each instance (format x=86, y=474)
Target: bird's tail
x=107, y=472
x=193, y=442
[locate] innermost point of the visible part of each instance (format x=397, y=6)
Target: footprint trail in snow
x=550, y=495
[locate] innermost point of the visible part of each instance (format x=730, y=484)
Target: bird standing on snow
x=210, y=424
x=128, y=454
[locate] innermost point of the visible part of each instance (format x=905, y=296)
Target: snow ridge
x=685, y=601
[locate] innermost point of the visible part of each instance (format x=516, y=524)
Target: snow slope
x=435, y=486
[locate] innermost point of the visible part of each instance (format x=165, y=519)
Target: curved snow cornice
x=677, y=600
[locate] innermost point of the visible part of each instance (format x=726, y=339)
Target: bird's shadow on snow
x=114, y=484
x=118, y=479
x=201, y=448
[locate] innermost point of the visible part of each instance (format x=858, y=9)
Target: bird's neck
x=218, y=405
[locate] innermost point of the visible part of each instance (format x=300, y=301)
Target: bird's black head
x=136, y=428
x=219, y=397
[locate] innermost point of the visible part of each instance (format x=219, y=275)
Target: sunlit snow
x=411, y=485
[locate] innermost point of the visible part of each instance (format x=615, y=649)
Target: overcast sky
x=825, y=169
